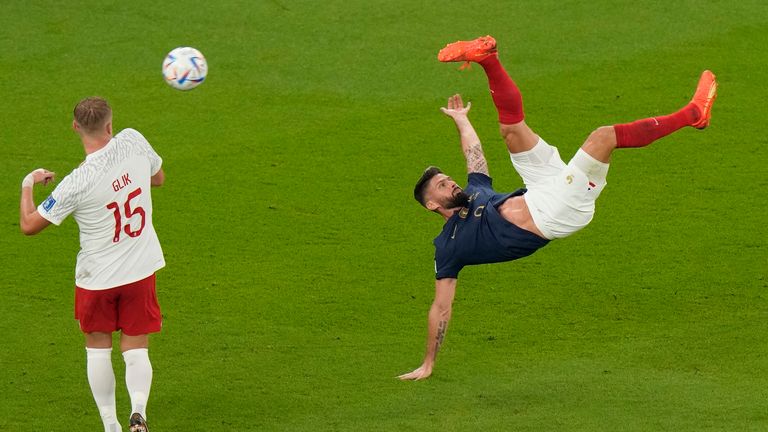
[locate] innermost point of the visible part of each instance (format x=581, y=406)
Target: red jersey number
x=129, y=213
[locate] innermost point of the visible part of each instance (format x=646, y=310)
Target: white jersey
x=109, y=195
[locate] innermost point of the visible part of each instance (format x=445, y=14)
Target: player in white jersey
x=109, y=197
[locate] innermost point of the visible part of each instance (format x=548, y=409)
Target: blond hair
x=92, y=114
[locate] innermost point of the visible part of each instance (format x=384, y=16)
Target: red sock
x=506, y=96
x=640, y=133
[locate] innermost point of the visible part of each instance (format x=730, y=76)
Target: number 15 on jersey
x=129, y=213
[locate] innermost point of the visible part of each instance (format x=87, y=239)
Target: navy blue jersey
x=478, y=234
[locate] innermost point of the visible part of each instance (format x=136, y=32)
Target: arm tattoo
x=476, y=159
x=441, y=328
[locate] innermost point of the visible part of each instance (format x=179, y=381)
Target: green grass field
x=299, y=266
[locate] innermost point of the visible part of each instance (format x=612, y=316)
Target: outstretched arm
x=439, y=315
x=470, y=142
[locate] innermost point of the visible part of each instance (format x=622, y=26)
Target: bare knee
x=128, y=343
x=604, y=135
x=601, y=143
x=98, y=340
x=518, y=137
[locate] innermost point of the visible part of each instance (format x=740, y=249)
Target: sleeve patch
x=49, y=203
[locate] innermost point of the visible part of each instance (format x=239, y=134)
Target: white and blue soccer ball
x=184, y=68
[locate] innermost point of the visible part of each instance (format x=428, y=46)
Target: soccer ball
x=184, y=68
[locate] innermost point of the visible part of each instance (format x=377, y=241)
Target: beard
x=460, y=199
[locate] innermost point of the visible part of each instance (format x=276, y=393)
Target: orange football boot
x=705, y=95
x=468, y=51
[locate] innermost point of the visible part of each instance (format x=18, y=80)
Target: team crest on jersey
x=49, y=203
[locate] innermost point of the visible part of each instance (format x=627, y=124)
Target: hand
x=423, y=372
x=38, y=176
x=456, y=107
x=43, y=176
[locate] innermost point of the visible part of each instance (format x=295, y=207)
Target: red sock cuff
x=491, y=63
x=623, y=135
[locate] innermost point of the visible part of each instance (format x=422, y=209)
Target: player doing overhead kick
x=484, y=226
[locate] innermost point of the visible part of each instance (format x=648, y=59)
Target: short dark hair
x=421, y=185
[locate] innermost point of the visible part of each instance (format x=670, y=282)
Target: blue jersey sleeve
x=445, y=267
x=479, y=180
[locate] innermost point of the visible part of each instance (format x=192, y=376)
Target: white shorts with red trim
x=560, y=197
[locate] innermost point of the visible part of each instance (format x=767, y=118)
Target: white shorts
x=560, y=197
